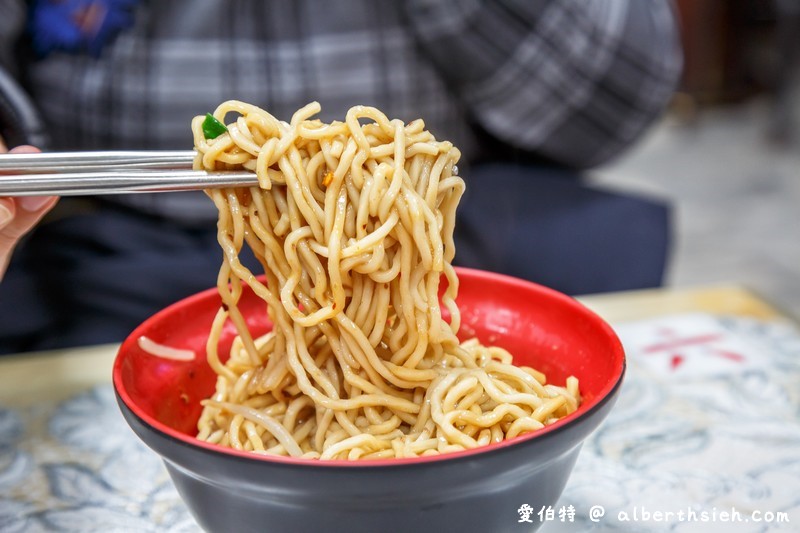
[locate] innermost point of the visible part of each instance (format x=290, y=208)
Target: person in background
x=532, y=92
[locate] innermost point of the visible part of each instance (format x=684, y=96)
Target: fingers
x=17, y=219
x=19, y=215
x=33, y=207
x=22, y=149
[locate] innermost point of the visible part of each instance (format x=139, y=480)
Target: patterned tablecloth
x=705, y=437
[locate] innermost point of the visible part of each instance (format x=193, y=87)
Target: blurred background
x=727, y=155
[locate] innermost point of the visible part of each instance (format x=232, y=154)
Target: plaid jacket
x=571, y=81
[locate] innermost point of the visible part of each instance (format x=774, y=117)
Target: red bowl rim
x=591, y=405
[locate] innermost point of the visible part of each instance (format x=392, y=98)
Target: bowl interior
x=540, y=327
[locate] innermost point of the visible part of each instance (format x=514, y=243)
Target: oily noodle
x=352, y=223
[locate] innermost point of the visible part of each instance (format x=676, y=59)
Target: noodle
x=352, y=223
x=166, y=352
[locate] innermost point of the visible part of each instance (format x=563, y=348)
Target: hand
x=19, y=215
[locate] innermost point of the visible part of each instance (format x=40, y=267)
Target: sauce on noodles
x=352, y=223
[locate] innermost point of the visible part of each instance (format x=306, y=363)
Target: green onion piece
x=213, y=128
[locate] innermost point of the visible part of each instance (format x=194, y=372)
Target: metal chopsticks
x=120, y=182
x=116, y=172
x=76, y=161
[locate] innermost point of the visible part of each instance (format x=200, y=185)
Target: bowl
x=475, y=490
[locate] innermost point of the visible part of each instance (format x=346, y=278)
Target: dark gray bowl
x=477, y=490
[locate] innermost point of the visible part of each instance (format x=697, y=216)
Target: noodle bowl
x=352, y=224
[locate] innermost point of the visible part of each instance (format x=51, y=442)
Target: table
x=704, y=435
